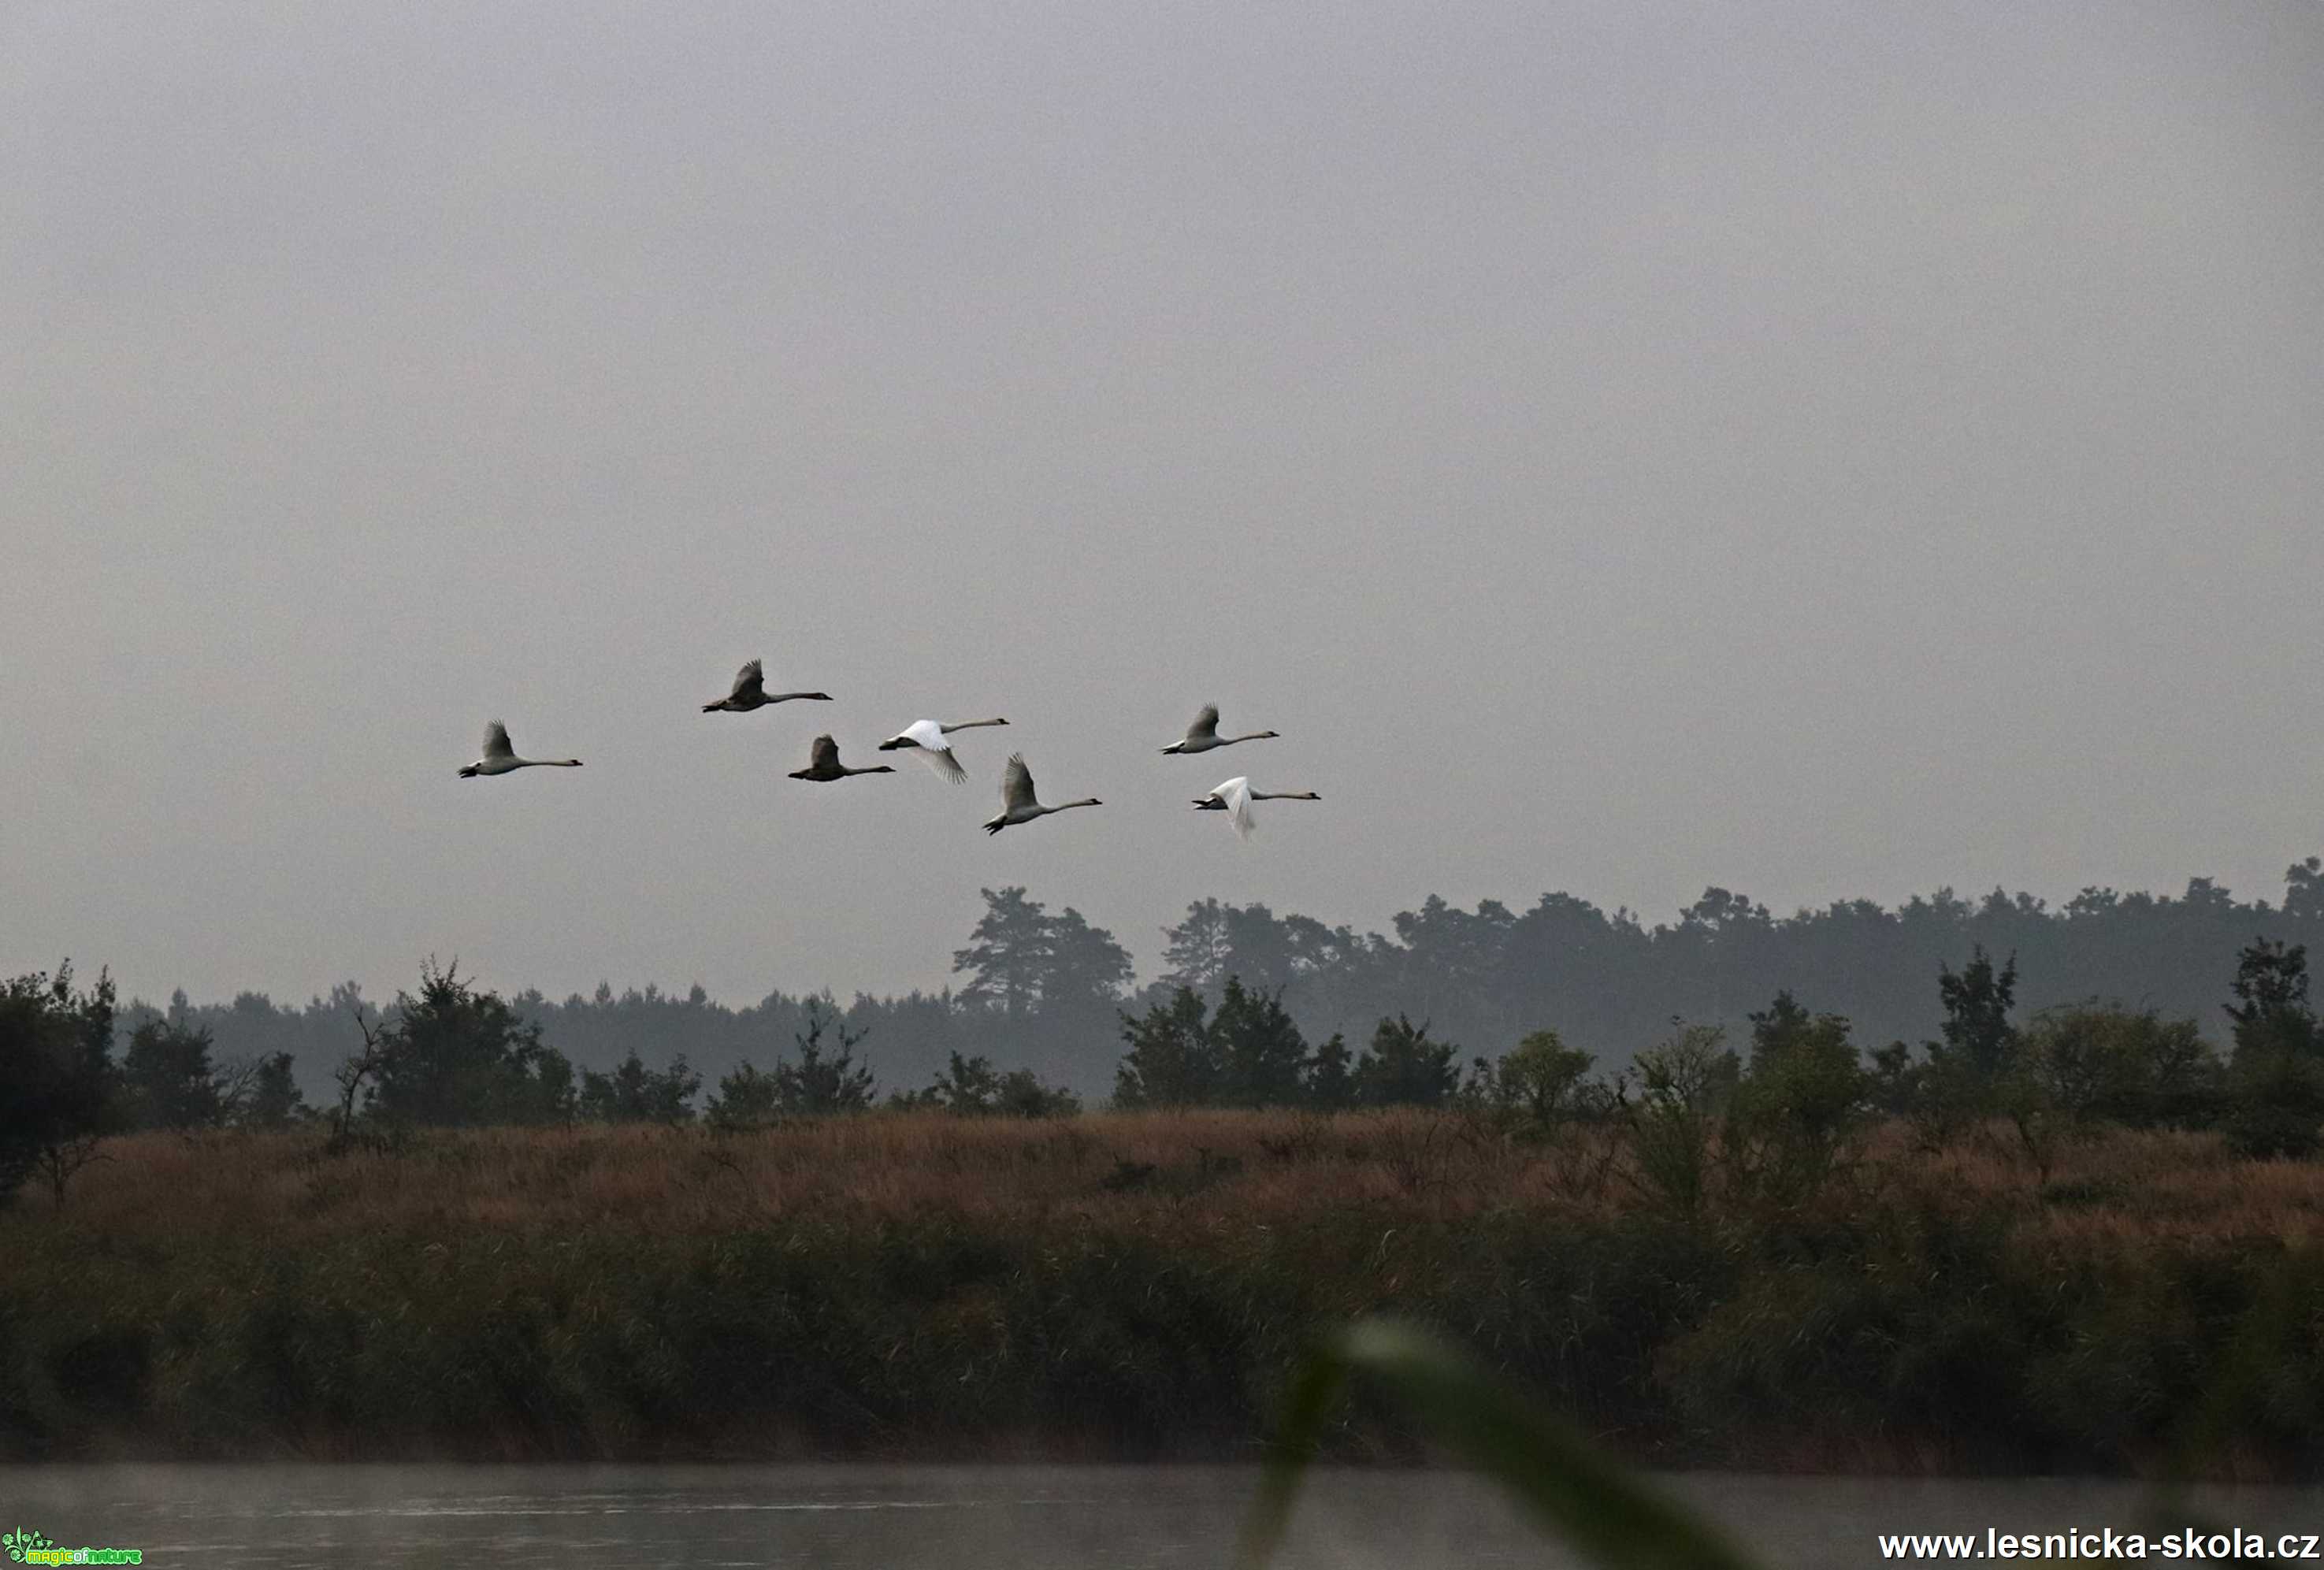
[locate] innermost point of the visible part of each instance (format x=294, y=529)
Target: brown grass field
x=1138, y=1284
x=1215, y=1173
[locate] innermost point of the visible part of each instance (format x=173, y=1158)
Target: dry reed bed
x=1139, y=1171
x=1137, y=1284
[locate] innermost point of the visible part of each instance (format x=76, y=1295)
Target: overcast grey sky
x=1822, y=449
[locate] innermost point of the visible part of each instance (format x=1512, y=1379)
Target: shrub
x=970, y=1088
x=1403, y=1067
x=1260, y=1055
x=271, y=1098
x=635, y=1093
x=2278, y=1102
x=453, y=1056
x=1541, y=1079
x=1977, y=1003
x=2103, y=1062
x=1683, y=1085
x=56, y=1078
x=167, y=1080
x=1022, y=1094
x=1172, y=1060
x=745, y=1099
x=1797, y=1114
x=1330, y=1083
x=1251, y=1052
x=1959, y=1080
x=817, y=1085
x=2277, y=1078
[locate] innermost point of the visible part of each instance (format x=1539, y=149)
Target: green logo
x=26, y=1547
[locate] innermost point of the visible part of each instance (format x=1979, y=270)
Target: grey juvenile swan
x=1203, y=736
x=750, y=692
x=1234, y=798
x=500, y=758
x=927, y=738
x=1017, y=804
x=826, y=764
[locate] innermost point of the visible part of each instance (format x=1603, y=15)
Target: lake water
x=977, y=1518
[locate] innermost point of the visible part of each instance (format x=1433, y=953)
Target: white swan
x=1234, y=798
x=750, y=692
x=927, y=738
x=825, y=765
x=1203, y=736
x=1017, y=804
x=500, y=758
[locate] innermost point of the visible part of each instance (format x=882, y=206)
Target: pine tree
x=817, y=1085
x=1172, y=1060
x=1403, y=1067
x=2276, y=1072
x=57, y=1090
x=455, y=1055
x=167, y=1077
x=1260, y=1055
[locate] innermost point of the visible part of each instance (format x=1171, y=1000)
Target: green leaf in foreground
x=1563, y=1481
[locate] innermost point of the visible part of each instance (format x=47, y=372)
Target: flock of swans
x=931, y=741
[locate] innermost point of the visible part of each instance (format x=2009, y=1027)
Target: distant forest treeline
x=1045, y=990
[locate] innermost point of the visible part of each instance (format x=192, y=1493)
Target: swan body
x=750, y=692
x=824, y=764
x=1018, y=802
x=1235, y=795
x=1203, y=736
x=500, y=758
x=927, y=738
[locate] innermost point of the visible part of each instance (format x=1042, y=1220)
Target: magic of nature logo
x=24, y=1545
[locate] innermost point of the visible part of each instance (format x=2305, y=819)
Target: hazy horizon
x=1821, y=454
x=1148, y=952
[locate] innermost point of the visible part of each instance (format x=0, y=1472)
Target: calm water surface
x=973, y=1518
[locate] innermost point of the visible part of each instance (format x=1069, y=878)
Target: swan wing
x=825, y=756
x=942, y=760
x=496, y=741
x=926, y=737
x=1206, y=724
x=751, y=679
x=1236, y=794
x=1016, y=784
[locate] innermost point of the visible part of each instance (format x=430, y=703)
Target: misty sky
x=1821, y=449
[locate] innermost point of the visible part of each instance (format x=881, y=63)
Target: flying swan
x=1017, y=804
x=500, y=758
x=826, y=764
x=1203, y=734
x=1234, y=798
x=927, y=738
x=750, y=692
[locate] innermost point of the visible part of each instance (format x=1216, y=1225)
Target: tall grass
x=1563, y=1482
x=1138, y=1285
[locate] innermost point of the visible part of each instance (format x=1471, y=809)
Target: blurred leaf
x=1563, y=1481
